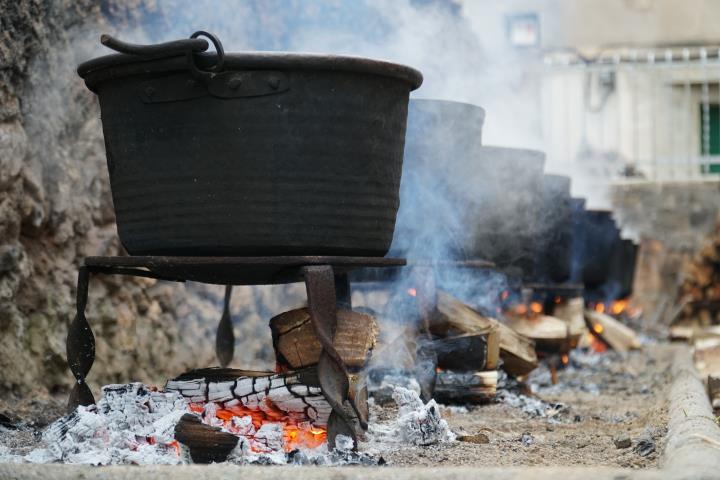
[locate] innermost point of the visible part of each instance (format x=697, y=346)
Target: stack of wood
x=470, y=347
x=699, y=293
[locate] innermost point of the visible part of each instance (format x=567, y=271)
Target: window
x=712, y=143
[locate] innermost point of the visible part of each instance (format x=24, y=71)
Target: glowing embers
x=265, y=432
x=268, y=413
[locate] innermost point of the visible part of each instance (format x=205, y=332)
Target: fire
x=295, y=435
x=597, y=328
x=597, y=345
x=521, y=309
x=558, y=300
x=504, y=295
x=536, y=307
x=600, y=307
x=412, y=292
x=565, y=359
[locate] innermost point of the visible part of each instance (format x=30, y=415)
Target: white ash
x=417, y=423
x=382, y=392
x=131, y=424
x=532, y=406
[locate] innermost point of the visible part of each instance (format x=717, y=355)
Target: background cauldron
x=251, y=153
x=554, y=236
x=599, y=237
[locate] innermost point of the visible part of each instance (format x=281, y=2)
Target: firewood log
x=455, y=318
x=620, y=337
x=296, y=345
x=465, y=387
x=468, y=353
x=550, y=334
x=207, y=444
x=290, y=397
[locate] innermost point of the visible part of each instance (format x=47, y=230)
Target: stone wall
x=56, y=208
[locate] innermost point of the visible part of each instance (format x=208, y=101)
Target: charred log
x=207, y=444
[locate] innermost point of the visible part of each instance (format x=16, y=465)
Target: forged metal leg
x=343, y=292
x=426, y=360
x=225, y=337
x=320, y=286
x=80, y=345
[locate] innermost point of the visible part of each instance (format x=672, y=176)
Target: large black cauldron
x=555, y=232
x=251, y=153
x=508, y=186
x=437, y=194
x=599, y=238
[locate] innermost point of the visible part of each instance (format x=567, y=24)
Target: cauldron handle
x=167, y=49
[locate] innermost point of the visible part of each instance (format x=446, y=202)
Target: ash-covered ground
x=606, y=410
x=599, y=400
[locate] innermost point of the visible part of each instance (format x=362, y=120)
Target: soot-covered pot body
x=271, y=154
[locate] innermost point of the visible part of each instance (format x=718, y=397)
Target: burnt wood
x=207, y=444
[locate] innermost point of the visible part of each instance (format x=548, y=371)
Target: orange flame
x=558, y=300
x=600, y=307
x=295, y=435
x=597, y=328
x=412, y=292
x=536, y=307
x=521, y=309
x=596, y=344
x=565, y=359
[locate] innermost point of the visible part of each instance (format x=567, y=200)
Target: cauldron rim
x=117, y=65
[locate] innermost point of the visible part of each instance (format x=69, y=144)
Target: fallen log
x=454, y=318
x=618, y=336
x=453, y=387
x=291, y=398
x=207, y=444
x=550, y=334
x=469, y=352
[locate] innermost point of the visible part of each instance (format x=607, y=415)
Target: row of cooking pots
x=462, y=200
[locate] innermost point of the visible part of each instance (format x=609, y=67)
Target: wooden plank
x=618, y=336
x=550, y=334
x=455, y=318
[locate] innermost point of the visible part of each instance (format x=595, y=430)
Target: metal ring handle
x=218, y=48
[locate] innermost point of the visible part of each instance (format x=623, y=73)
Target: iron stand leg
x=80, y=346
x=333, y=375
x=225, y=337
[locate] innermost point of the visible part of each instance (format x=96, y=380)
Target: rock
x=527, y=439
x=479, y=438
x=644, y=447
x=622, y=441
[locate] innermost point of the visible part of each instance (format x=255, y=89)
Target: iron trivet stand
x=327, y=287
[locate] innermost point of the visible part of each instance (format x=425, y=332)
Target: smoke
x=462, y=59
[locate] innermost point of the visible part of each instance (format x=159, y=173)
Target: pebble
x=622, y=441
x=527, y=439
x=645, y=447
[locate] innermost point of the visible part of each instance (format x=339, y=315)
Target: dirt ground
x=605, y=395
